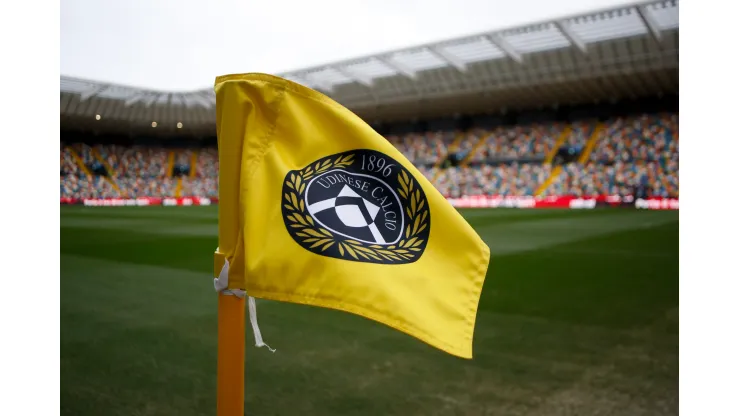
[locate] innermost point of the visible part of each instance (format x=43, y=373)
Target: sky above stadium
x=183, y=45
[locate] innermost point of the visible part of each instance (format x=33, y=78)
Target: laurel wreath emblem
x=319, y=238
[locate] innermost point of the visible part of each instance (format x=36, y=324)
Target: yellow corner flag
x=317, y=208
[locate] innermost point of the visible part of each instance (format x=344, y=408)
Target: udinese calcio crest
x=360, y=205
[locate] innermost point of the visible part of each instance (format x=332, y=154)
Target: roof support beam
x=397, y=66
x=195, y=99
x=209, y=96
x=314, y=83
x=649, y=22
x=151, y=99
x=93, y=91
x=184, y=101
x=565, y=29
x=135, y=98
x=201, y=100
x=502, y=44
x=298, y=79
x=366, y=81
x=322, y=85
x=449, y=58
x=305, y=80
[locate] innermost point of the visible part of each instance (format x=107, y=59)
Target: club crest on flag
x=360, y=205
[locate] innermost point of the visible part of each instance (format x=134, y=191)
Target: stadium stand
x=503, y=179
x=207, y=163
x=425, y=148
x=68, y=164
x=580, y=106
x=114, y=171
x=631, y=156
x=204, y=181
x=518, y=142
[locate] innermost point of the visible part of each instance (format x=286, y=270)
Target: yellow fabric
x=268, y=127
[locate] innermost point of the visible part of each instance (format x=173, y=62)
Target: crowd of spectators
x=200, y=186
x=424, y=149
x=76, y=182
x=503, y=179
x=114, y=171
x=183, y=160
x=205, y=179
x=630, y=178
x=67, y=163
x=634, y=154
x=85, y=153
x=579, y=134
x=134, y=172
x=137, y=186
x=143, y=162
x=645, y=138
x=207, y=163
x=516, y=142
x=85, y=186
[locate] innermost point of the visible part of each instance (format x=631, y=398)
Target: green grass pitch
x=579, y=316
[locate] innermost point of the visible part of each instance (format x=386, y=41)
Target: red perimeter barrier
x=477, y=201
x=587, y=202
x=140, y=202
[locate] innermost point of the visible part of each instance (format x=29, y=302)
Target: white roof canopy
x=602, y=47
x=626, y=21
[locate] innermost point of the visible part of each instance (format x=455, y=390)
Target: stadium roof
x=630, y=49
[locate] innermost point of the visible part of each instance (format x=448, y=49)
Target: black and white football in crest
x=360, y=205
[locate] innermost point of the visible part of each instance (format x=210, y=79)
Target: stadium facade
x=588, y=83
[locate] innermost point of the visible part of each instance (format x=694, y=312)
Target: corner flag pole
x=231, y=334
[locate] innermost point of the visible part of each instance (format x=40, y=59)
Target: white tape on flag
x=221, y=283
x=255, y=327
